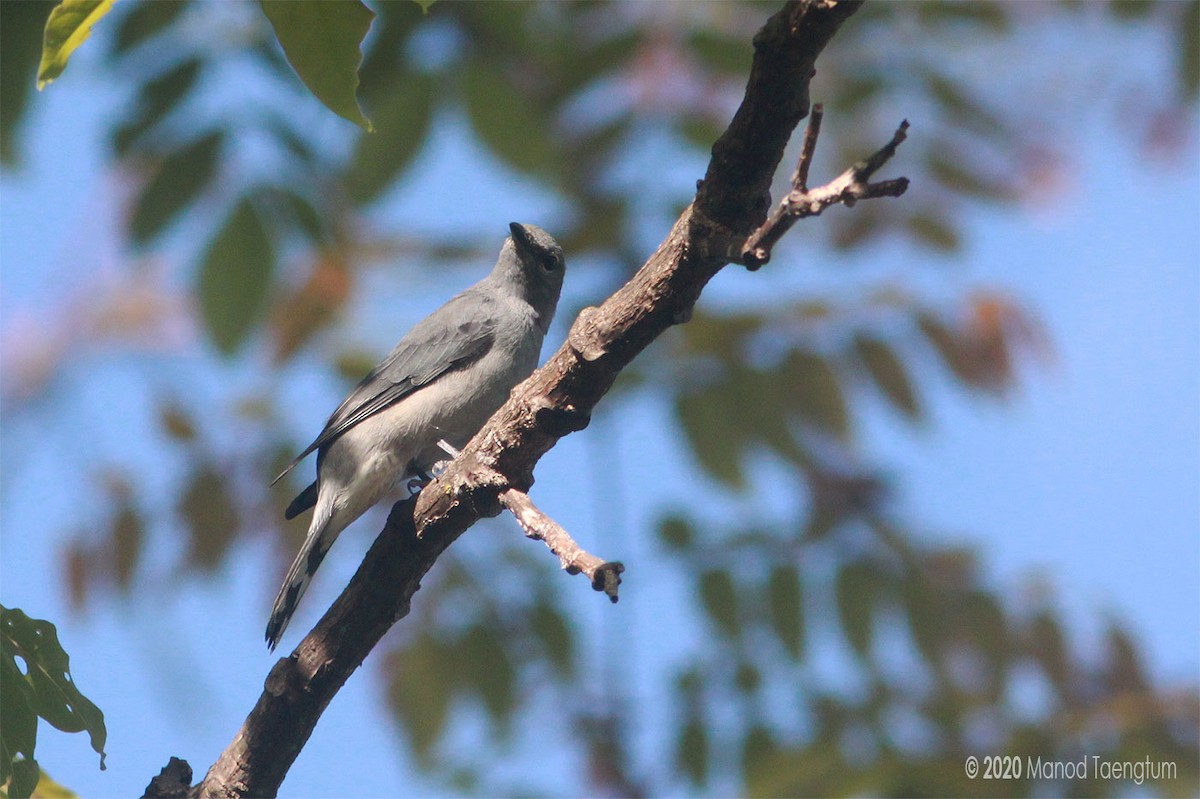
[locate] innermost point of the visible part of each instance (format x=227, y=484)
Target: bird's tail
x=321, y=535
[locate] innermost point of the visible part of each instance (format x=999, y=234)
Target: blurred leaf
x=926, y=619
x=506, y=119
x=1131, y=9
x=985, y=625
x=402, y=118
x=45, y=686
x=142, y=21
x=176, y=422
x=181, y=178
x=719, y=598
x=491, y=671
x=321, y=41
x=354, y=364
x=302, y=313
x=747, y=678
x=69, y=25
x=77, y=570
x=421, y=676
x=758, y=748
x=987, y=14
x=721, y=52
x=1125, y=672
x=557, y=640
x=161, y=95
x=1189, y=49
x=816, y=394
x=888, y=372
x=962, y=109
x=211, y=516
x=949, y=347
x=1049, y=649
x=852, y=92
x=235, y=276
x=21, y=25
x=705, y=417
x=675, y=532
x=787, y=608
x=126, y=536
x=701, y=131
x=692, y=751
x=935, y=231
x=724, y=335
x=48, y=788
x=955, y=172
x=857, y=592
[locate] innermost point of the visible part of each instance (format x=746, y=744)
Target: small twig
x=800, y=178
x=605, y=575
x=848, y=188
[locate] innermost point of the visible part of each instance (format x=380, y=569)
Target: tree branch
x=605, y=575
x=847, y=188
x=731, y=201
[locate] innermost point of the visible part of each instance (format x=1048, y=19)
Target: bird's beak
x=520, y=237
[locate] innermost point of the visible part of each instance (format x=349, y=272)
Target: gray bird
x=441, y=382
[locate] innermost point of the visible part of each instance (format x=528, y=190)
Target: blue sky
x=1088, y=474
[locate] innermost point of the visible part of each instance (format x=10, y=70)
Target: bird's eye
x=549, y=264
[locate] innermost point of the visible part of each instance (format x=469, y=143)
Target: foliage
x=35, y=681
x=565, y=95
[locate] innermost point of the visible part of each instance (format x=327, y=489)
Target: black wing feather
x=435, y=346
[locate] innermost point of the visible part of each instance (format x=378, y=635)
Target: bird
x=440, y=383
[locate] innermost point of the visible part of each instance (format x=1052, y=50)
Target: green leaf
x=46, y=685
x=935, y=231
x=22, y=24
x=888, y=372
x=815, y=392
x=143, y=21
x=857, y=589
x=235, y=275
x=25, y=774
x=1125, y=671
x=719, y=598
x=723, y=53
x=1189, y=49
x=211, y=516
x=704, y=417
x=184, y=174
x=126, y=536
x=675, y=532
x=322, y=42
x=692, y=752
x=490, y=671
x=423, y=675
x=403, y=118
x=507, y=120
x=69, y=25
x=949, y=347
x=1048, y=647
x=555, y=635
x=926, y=617
x=952, y=171
x=18, y=736
x=787, y=610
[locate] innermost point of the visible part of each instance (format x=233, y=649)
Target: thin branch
x=847, y=188
x=800, y=178
x=605, y=575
